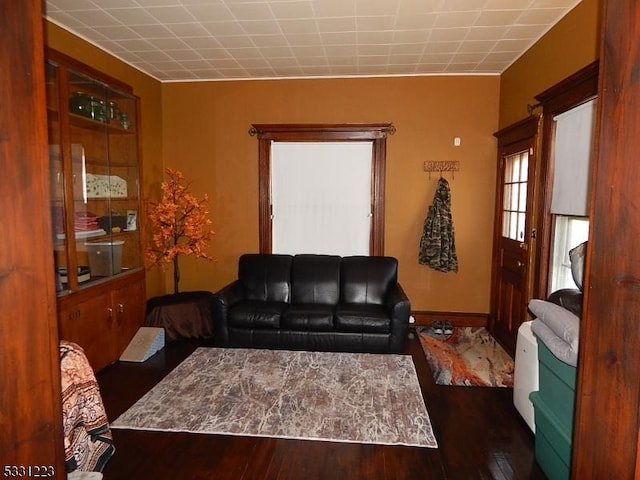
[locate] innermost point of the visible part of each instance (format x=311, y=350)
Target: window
x=321, y=197
x=569, y=233
x=375, y=133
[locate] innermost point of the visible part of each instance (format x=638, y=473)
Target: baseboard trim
x=457, y=319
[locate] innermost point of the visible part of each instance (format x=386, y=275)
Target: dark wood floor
x=479, y=432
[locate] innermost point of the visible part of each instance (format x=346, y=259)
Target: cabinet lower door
x=129, y=303
x=90, y=325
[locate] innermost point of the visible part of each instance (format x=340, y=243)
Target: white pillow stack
x=557, y=328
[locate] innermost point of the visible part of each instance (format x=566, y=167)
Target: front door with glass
x=514, y=234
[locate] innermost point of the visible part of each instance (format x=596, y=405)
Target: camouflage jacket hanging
x=437, y=245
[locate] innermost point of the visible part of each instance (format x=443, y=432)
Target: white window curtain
x=321, y=197
x=574, y=131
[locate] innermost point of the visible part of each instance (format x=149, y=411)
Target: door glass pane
x=521, y=225
x=507, y=197
x=516, y=168
x=522, y=205
x=508, y=172
x=515, y=195
x=524, y=167
x=513, y=225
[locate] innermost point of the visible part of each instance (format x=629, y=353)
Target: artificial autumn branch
x=180, y=225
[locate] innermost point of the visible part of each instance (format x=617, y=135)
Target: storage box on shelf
x=95, y=177
x=105, y=258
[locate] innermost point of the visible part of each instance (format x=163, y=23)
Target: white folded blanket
x=557, y=328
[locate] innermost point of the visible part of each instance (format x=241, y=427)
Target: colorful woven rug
x=338, y=397
x=470, y=356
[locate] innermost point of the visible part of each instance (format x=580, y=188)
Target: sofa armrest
x=399, y=308
x=221, y=302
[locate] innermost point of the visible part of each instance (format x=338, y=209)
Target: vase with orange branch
x=180, y=225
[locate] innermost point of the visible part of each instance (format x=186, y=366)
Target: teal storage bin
x=557, y=385
x=553, y=441
x=553, y=406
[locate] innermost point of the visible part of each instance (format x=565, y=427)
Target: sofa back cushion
x=265, y=277
x=315, y=279
x=367, y=279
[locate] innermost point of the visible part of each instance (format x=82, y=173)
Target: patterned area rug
x=341, y=397
x=468, y=357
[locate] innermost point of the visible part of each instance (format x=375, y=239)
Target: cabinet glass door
x=57, y=178
x=93, y=150
x=90, y=190
x=104, y=161
x=123, y=171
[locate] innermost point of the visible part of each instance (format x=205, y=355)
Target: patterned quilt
x=88, y=442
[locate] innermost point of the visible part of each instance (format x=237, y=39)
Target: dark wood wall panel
x=606, y=427
x=30, y=399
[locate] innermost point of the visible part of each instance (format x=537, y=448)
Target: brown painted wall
x=205, y=135
x=201, y=128
x=148, y=89
x=571, y=44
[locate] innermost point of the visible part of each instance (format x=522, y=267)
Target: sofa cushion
x=315, y=279
x=256, y=314
x=265, y=277
x=308, y=317
x=365, y=318
x=367, y=279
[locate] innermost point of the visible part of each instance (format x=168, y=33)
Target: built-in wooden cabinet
x=104, y=320
x=95, y=202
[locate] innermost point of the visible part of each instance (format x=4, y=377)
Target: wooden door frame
x=31, y=434
x=576, y=89
x=374, y=132
x=606, y=440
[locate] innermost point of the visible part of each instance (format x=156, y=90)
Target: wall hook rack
x=441, y=166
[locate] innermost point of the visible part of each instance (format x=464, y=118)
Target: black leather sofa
x=313, y=302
